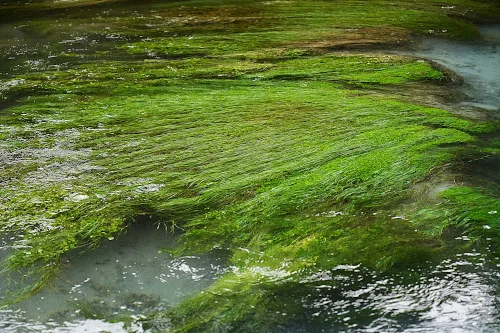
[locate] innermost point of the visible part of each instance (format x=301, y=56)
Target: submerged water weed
x=474, y=213
x=233, y=122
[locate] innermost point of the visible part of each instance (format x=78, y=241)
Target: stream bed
x=129, y=277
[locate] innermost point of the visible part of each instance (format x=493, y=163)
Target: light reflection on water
x=460, y=294
x=15, y=323
x=457, y=295
x=127, y=277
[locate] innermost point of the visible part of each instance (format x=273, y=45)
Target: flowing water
x=477, y=63
x=127, y=277
x=133, y=275
x=460, y=294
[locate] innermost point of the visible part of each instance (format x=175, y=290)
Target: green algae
x=233, y=123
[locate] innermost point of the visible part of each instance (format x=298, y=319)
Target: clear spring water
x=128, y=277
x=125, y=277
x=477, y=63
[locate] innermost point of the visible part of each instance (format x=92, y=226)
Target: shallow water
x=477, y=63
x=127, y=277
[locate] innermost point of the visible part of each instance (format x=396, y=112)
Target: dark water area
x=459, y=294
x=28, y=47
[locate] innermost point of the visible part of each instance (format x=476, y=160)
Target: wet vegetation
x=281, y=131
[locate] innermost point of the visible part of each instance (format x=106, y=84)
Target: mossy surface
x=235, y=123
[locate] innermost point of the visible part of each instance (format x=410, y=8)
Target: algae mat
x=280, y=132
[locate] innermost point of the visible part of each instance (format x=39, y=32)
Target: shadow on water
x=123, y=279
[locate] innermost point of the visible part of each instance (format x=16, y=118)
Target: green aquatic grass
x=466, y=209
x=233, y=123
x=250, y=154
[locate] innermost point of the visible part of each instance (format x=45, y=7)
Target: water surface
x=459, y=294
x=127, y=277
x=477, y=62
